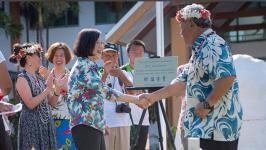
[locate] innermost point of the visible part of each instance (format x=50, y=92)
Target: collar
x=197, y=45
x=127, y=67
x=87, y=61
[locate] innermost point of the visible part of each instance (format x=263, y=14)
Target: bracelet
x=117, y=94
x=109, y=94
x=56, y=94
x=206, y=105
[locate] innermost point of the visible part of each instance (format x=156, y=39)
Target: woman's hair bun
x=16, y=48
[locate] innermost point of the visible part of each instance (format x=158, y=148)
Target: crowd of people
x=88, y=107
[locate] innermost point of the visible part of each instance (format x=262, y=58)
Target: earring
x=30, y=65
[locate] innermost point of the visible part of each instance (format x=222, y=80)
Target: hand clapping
x=44, y=72
x=50, y=81
x=107, y=66
x=112, y=69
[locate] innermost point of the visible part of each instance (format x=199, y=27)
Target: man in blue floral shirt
x=213, y=111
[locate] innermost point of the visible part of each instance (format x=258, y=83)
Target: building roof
x=140, y=20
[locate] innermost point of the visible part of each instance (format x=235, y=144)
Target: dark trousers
x=143, y=135
x=5, y=141
x=184, y=140
x=208, y=144
x=88, y=138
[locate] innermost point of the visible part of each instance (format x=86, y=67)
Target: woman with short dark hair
x=86, y=92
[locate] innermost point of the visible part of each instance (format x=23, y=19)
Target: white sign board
x=154, y=72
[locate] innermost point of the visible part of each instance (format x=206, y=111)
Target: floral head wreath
x=192, y=11
x=36, y=48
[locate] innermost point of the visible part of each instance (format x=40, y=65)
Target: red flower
x=205, y=13
x=39, y=49
x=68, y=131
x=1, y=95
x=87, y=94
x=179, y=18
x=81, y=87
x=62, y=91
x=99, y=104
x=22, y=53
x=18, y=57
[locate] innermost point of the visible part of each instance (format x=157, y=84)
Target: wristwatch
x=117, y=93
x=206, y=105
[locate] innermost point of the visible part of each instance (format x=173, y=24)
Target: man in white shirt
x=135, y=49
x=116, y=113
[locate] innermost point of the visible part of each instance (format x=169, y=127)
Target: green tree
x=8, y=26
x=45, y=13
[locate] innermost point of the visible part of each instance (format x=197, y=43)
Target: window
x=111, y=12
x=2, y=6
x=254, y=32
x=246, y=35
x=69, y=17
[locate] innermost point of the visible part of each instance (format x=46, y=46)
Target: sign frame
x=154, y=72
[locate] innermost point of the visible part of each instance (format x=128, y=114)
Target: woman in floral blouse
x=86, y=92
x=59, y=54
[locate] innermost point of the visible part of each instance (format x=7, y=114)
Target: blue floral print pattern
x=86, y=95
x=211, y=60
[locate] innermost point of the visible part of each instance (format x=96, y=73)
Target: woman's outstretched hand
x=145, y=100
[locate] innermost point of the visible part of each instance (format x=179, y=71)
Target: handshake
x=144, y=100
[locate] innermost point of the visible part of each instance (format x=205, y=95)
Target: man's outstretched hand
x=145, y=100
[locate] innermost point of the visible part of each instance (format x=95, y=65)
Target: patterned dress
x=61, y=117
x=36, y=126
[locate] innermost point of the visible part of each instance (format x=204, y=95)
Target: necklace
x=43, y=108
x=60, y=76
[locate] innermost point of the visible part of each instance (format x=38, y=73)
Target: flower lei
x=29, y=50
x=185, y=14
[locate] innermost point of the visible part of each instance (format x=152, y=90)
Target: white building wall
x=61, y=34
x=5, y=46
x=256, y=48
x=87, y=20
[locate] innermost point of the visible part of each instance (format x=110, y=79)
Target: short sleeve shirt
x=136, y=111
x=211, y=60
x=2, y=58
x=114, y=119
